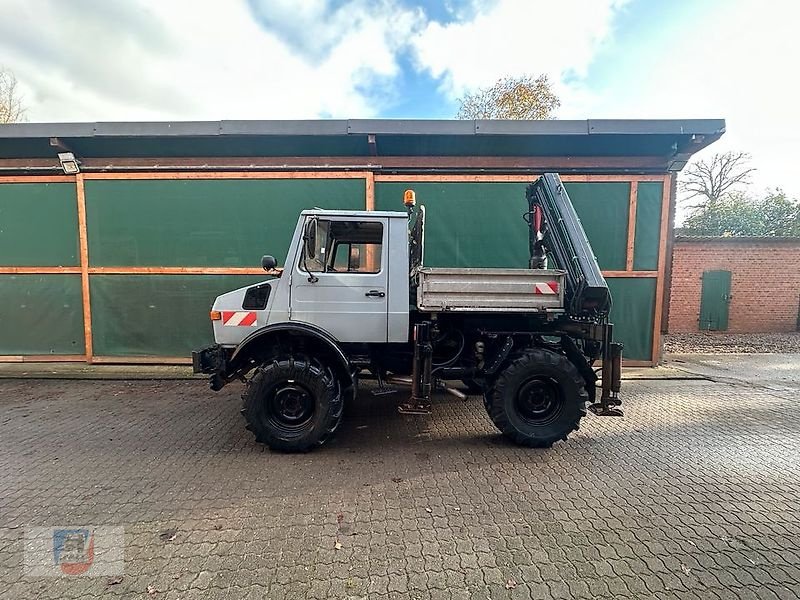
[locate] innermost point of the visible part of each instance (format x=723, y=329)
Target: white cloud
x=188, y=59
x=514, y=37
x=88, y=60
x=737, y=64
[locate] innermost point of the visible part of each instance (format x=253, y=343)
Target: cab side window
x=348, y=247
x=357, y=258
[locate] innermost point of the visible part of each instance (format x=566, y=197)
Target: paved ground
x=694, y=494
x=715, y=342
x=777, y=372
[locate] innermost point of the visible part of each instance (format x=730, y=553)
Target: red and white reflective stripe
x=240, y=318
x=551, y=287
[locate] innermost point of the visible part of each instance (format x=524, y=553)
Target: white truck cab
x=346, y=272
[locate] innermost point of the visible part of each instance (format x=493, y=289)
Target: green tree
x=736, y=214
x=778, y=215
x=522, y=97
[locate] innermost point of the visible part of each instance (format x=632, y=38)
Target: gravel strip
x=732, y=343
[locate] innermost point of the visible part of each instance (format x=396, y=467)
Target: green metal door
x=714, y=300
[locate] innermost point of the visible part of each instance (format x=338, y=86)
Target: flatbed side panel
x=514, y=290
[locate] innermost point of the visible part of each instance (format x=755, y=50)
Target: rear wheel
x=293, y=404
x=538, y=399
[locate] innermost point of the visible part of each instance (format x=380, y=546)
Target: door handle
x=375, y=294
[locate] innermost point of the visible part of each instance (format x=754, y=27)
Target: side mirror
x=354, y=260
x=310, y=237
x=268, y=262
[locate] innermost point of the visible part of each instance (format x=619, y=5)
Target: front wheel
x=293, y=404
x=538, y=399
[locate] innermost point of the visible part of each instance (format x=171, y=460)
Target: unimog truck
x=356, y=301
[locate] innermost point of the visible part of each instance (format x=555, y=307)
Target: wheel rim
x=291, y=406
x=539, y=400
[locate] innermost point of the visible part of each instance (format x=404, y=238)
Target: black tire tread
x=304, y=367
x=525, y=361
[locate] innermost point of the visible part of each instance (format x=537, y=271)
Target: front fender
x=320, y=342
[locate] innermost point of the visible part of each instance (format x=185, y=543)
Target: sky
x=125, y=60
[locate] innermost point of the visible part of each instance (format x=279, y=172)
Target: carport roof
x=673, y=141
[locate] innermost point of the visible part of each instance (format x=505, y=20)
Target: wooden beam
x=637, y=363
x=634, y=192
x=39, y=270
x=206, y=271
x=39, y=358
x=230, y=175
x=516, y=178
x=142, y=360
x=139, y=271
x=630, y=273
x=83, y=244
x=662, y=261
x=36, y=178
x=176, y=271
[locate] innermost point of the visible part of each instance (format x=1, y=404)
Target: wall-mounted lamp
x=69, y=163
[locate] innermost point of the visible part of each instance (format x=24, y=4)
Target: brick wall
x=765, y=282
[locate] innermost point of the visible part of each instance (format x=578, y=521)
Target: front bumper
x=211, y=360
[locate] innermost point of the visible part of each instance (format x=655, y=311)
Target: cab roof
x=321, y=212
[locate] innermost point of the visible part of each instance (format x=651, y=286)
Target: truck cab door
x=343, y=287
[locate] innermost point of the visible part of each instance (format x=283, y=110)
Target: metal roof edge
x=411, y=126
x=333, y=127
x=657, y=126
x=285, y=127
x=46, y=130
x=155, y=128
x=537, y=127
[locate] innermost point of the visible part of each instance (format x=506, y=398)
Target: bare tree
x=12, y=108
x=512, y=98
x=714, y=179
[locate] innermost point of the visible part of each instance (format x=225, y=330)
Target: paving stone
x=693, y=494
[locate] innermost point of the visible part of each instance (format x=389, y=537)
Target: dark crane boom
x=556, y=231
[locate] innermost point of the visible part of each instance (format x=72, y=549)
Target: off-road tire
x=293, y=404
x=538, y=399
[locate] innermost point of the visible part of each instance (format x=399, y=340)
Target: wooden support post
x=631, y=224
x=662, y=262
x=83, y=243
x=369, y=192
x=673, y=178
x=372, y=258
